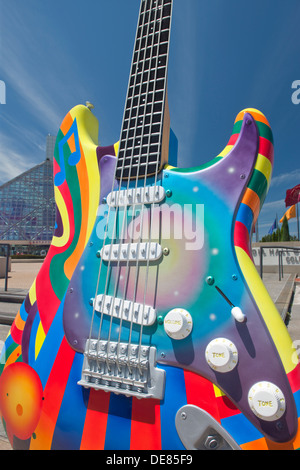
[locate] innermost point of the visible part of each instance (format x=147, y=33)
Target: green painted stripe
x=263, y=129
x=258, y=183
x=59, y=280
x=197, y=168
x=7, y=353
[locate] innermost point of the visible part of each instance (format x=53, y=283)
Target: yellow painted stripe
x=88, y=132
x=116, y=147
x=225, y=151
x=32, y=293
x=270, y=314
x=264, y=165
x=255, y=113
x=61, y=241
x=218, y=392
x=40, y=337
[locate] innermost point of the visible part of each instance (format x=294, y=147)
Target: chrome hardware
x=132, y=196
x=122, y=368
x=198, y=430
x=131, y=252
x=125, y=310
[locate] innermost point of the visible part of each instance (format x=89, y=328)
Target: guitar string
x=146, y=25
x=155, y=185
x=106, y=233
x=124, y=225
x=141, y=225
x=103, y=301
x=111, y=307
x=141, y=231
x=159, y=7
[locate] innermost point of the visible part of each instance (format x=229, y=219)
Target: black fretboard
x=142, y=127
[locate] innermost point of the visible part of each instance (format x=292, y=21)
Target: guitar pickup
x=132, y=196
x=125, y=310
x=131, y=252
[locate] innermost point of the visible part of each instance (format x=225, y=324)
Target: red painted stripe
x=145, y=425
x=16, y=334
x=200, y=392
x=241, y=237
x=233, y=139
x=226, y=407
x=48, y=304
x=96, y=419
x=53, y=396
x=266, y=149
x=294, y=377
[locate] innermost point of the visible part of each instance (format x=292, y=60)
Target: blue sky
x=225, y=55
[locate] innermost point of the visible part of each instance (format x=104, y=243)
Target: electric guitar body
x=148, y=326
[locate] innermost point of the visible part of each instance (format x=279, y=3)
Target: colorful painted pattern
x=41, y=404
x=77, y=194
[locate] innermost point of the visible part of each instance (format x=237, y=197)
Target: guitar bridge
x=122, y=369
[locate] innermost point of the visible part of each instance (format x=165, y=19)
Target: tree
x=285, y=233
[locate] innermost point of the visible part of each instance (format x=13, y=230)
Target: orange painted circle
x=21, y=395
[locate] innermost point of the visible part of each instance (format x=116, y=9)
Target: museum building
x=27, y=207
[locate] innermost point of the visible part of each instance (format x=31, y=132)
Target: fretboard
x=143, y=120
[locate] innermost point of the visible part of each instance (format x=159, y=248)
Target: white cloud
x=287, y=178
x=12, y=160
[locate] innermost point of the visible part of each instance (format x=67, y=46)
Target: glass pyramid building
x=27, y=206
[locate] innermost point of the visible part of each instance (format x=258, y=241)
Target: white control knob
x=266, y=401
x=237, y=313
x=178, y=323
x=221, y=355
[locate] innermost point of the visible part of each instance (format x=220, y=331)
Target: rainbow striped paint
x=41, y=404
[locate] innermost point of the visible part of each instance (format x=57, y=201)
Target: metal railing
x=281, y=250
x=7, y=245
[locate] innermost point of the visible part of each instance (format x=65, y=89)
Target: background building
x=27, y=206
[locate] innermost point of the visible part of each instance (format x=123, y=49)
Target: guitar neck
x=145, y=127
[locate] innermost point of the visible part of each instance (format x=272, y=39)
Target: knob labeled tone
x=178, y=323
x=221, y=355
x=266, y=401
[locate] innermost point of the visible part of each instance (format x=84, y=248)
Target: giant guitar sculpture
x=148, y=326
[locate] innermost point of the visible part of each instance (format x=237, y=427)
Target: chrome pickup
x=132, y=196
x=122, y=368
x=131, y=252
x=125, y=310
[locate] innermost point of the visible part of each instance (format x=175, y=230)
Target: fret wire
x=100, y=327
x=139, y=99
x=152, y=104
x=109, y=335
x=130, y=78
x=141, y=10
x=141, y=118
x=138, y=170
x=140, y=87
